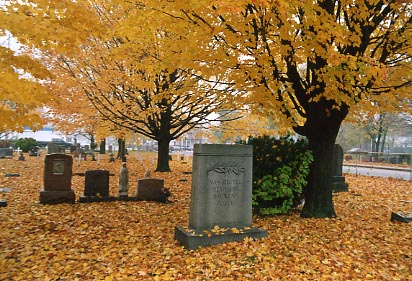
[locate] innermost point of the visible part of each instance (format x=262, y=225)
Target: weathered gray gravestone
x=96, y=187
x=338, y=180
x=54, y=148
x=6, y=152
x=221, y=197
x=57, y=179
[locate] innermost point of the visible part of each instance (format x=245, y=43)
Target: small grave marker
x=402, y=217
x=8, y=175
x=21, y=157
x=338, y=180
x=3, y=203
x=111, y=157
x=151, y=189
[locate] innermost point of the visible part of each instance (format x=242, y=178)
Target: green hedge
x=26, y=144
x=280, y=170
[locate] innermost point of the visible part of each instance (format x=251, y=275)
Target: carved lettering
x=225, y=181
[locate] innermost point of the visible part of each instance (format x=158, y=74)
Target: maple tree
x=132, y=80
x=303, y=63
x=310, y=62
x=23, y=73
x=20, y=96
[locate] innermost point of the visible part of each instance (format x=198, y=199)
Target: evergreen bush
x=26, y=144
x=280, y=170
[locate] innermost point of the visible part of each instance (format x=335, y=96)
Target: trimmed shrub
x=280, y=170
x=26, y=144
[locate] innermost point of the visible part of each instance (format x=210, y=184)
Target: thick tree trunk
x=321, y=131
x=163, y=156
x=318, y=195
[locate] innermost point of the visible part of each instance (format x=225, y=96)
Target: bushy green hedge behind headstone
x=26, y=144
x=280, y=169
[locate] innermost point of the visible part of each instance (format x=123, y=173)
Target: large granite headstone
x=57, y=179
x=221, y=197
x=96, y=187
x=338, y=180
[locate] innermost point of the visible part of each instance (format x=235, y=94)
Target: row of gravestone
x=58, y=189
x=221, y=192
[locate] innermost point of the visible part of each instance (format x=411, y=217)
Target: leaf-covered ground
x=134, y=240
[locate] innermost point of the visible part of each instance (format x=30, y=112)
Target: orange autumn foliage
x=134, y=240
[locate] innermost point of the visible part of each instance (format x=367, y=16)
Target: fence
x=390, y=161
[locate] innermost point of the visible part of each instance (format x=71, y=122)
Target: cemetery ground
x=126, y=240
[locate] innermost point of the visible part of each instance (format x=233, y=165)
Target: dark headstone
x=111, y=157
x=3, y=203
x=34, y=151
x=221, y=197
x=151, y=189
x=21, y=157
x=96, y=183
x=338, y=180
x=57, y=179
x=402, y=217
x=96, y=187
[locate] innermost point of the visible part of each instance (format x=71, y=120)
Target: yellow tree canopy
x=309, y=63
x=41, y=28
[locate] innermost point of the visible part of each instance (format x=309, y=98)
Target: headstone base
x=91, y=199
x=57, y=197
x=191, y=240
x=3, y=203
x=339, y=184
x=127, y=198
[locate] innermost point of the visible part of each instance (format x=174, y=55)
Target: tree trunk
x=318, y=194
x=163, y=156
x=121, y=154
x=321, y=131
x=92, y=143
x=102, y=149
x=384, y=140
